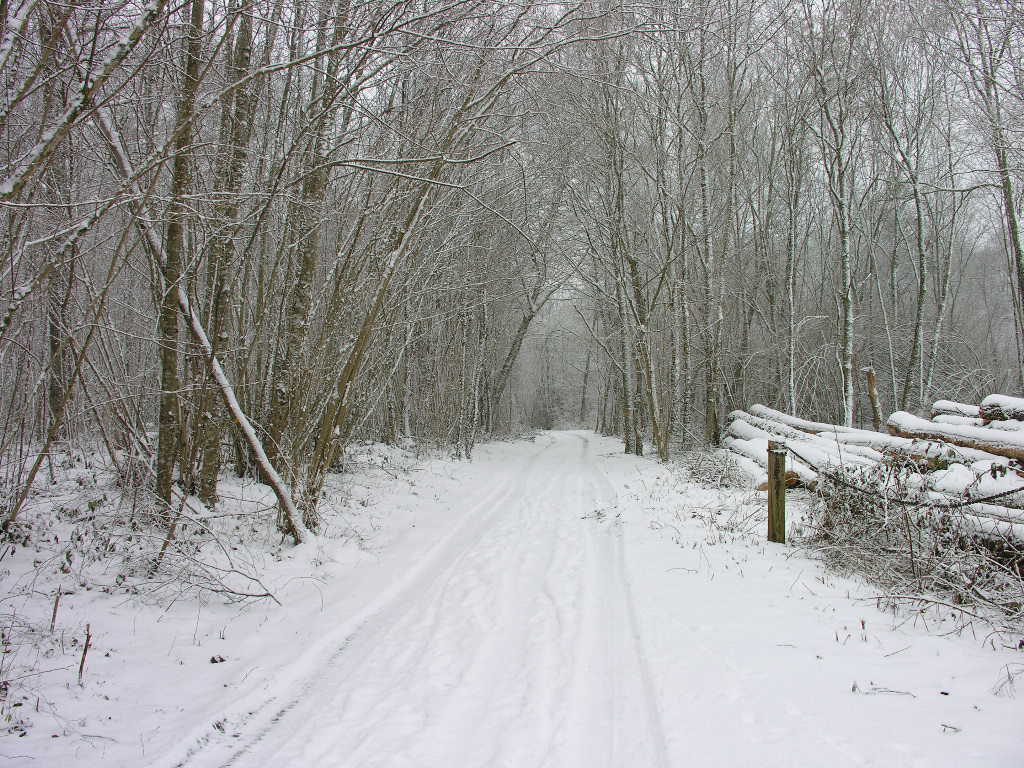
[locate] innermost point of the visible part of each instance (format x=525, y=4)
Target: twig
x=36, y=674
x=85, y=651
x=56, y=604
x=901, y=650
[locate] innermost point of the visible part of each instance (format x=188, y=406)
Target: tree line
x=241, y=234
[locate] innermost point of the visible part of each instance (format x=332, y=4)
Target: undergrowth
x=879, y=522
x=92, y=528
x=713, y=469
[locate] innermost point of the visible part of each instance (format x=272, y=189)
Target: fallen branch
x=292, y=518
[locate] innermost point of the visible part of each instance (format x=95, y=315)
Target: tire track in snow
x=516, y=643
x=256, y=719
x=654, y=720
x=605, y=497
x=499, y=561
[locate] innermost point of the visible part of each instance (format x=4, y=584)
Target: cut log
x=996, y=530
x=987, y=520
x=792, y=480
x=1000, y=407
x=757, y=451
x=999, y=442
x=963, y=421
x=775, y=427
x=757, y=474
x=1009, y=425
x=792, y=421
x=916, y=448
x=816, y=449
x=953, y=408
x=825, y=440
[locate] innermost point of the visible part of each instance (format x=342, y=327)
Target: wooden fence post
x=876, y=410
x=776, y=492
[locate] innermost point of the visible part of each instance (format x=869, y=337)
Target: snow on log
x=953, y=408
x=826, y=440
x=804, y=456
x=775, y=427
x=1000, y=442
x=915, y=448
x=1002, y=407
x=757, y=474
x=963, y=421
x=792, y=421
x=979, y=481
x=997, y=530
x=1009, y=425
x=988, y=520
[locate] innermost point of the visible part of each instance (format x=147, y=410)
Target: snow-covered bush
x=714, y=468
x=883, y=523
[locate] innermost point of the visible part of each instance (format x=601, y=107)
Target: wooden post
x=876, y=410
x=776, y=492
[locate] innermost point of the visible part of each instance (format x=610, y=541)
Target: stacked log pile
x=963, y=452
x=995, y=427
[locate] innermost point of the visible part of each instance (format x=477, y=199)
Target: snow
x=1004, y=403
x=1002, y=441
x=953, y=408
x=771, y=414
x=553, y=603
x=967, y=421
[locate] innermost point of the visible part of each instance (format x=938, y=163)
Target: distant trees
x=240, y=234
x=819, y=205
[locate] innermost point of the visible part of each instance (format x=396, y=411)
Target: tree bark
x=170, y=408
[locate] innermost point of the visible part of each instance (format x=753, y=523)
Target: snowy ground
x=553, y=603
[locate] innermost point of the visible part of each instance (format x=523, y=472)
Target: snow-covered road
x=577, y=615
x=516, y=644
x=553, y=603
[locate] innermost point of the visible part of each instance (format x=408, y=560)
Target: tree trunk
x=170, y=408
x=237, y=120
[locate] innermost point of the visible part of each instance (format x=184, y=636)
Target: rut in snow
x=517, y=643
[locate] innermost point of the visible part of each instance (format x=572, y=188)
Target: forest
x=242, y=235
x=399, y=321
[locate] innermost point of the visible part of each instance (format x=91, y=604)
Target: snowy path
x=516, y=646
x=577, y=615
x=551, y=604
